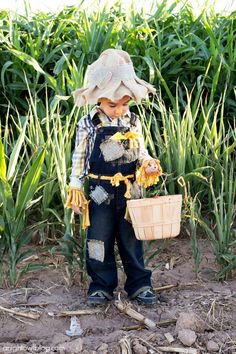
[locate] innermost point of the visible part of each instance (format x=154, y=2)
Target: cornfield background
x=189, y=125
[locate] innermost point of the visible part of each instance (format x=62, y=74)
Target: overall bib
x=107, y=209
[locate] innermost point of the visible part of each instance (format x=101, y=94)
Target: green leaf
x=196, y=174
x=31, y=268
x=30, y=184
x=2, y=224
x=26, y=58
x=55, y=213
x=6, y=199
x=3, y=167
x=60, y=65
x=4, y=68
x=24, y=255
x=16, y=151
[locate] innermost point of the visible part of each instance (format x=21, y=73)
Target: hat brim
x=135, y=88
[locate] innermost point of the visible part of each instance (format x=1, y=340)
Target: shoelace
x=147, y=292
x=99, y=293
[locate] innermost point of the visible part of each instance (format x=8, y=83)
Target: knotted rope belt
x=115, y=181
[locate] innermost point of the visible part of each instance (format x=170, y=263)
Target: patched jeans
x=107, y=226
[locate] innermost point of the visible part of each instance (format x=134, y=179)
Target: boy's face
x=115, y=109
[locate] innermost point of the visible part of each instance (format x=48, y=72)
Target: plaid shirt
x=85, y=138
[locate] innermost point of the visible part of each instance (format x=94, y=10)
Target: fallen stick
x=178, y=350
x=20, y=320
x=42, y=304
x=33, y=257
x=186, y=285
x=126, y=308
x=22, y=314
x=166, y=322
x=80, y=312
x=125, y=346
x=166, y=287
x=133, y=328
x=148, y=344
x=171, y=286
x=107, y=308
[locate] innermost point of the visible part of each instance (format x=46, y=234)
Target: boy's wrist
x=75, y=183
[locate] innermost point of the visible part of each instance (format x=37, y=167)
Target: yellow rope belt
x=115, y=181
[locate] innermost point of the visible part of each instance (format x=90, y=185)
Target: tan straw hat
x=112, y=76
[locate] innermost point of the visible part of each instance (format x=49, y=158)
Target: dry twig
x=171, y=286
x=32, y=316
x=166, y=322
x=125, y=346
x=178, y=350
x=20, y=320
x=80, y=312
x=148, y=344
x=42, y=304
x=165, y=287
x=133, y=328
x=126, y=308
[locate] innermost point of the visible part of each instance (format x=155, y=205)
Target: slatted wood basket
x=156, y=218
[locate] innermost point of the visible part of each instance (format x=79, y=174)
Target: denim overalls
x=107, y=209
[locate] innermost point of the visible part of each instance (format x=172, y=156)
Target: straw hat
x=112, y=76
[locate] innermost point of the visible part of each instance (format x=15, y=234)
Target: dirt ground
x=197, y=315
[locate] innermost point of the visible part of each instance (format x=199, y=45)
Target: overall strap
x=133, y=119
x=96, y=120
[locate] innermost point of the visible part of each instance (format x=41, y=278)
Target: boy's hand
x=76, y=200
x=77, y=209
x=152, y=167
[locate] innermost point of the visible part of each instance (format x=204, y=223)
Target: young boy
x=109, y=145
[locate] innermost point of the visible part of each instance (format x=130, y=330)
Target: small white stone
x=169, y=337
x=102, y=349
x=212, y=346
x=189, y=320
x=187, y=337
x=74, y=347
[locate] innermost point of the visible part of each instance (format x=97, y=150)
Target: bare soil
x=47, y=294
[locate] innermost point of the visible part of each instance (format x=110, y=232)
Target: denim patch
x=112, y=150
x=99, y=195
x=96, y=250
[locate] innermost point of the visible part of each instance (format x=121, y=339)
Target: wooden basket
x=156, y=218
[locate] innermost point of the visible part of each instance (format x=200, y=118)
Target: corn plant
x=15, y=233
x=171, y=136
x=60, y=143
x=196, y=155
x=57, y=131
x=190, y=216
x=220, y=227
x=60, y=134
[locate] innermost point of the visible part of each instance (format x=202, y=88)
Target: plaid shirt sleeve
x=83, y=147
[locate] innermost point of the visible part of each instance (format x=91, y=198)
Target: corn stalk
x=14, y=231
